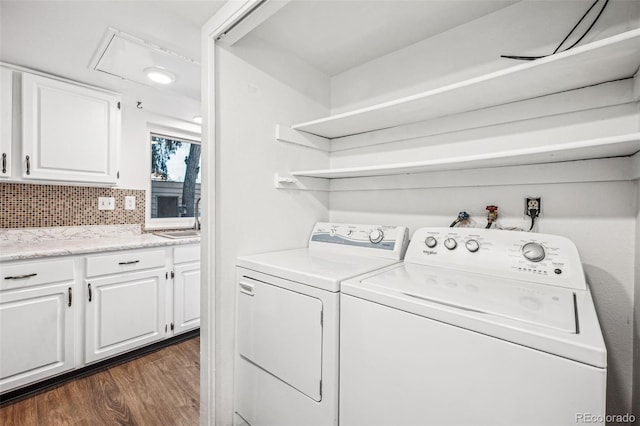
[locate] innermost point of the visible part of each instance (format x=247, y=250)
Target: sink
x=187, y=233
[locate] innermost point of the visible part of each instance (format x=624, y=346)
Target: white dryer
x=288, y=321
x=476, y=327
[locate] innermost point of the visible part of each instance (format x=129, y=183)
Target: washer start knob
x=472, y=245
x=430, y=242
x=376, y=236
x=450, y=243
x=533, y=252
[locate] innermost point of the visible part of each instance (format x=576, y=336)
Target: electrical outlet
x=130, y=202
x=532, y=203
x=106, y=203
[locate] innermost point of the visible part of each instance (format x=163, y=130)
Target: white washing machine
x=288, y=321
x=476, y=327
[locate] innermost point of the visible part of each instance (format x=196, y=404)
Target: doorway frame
x=234, y=20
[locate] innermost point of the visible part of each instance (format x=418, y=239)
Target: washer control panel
x=377, y=240
x=541, y=258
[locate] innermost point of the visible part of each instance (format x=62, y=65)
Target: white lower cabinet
x=125, y=301
x=119, y=301
x=124, y=312
x=36, y=321
x=186, y=297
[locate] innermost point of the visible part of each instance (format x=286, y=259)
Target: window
x=175, y=176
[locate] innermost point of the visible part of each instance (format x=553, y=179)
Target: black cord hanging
x=557, y=50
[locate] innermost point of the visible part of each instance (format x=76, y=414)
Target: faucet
x=196, y=211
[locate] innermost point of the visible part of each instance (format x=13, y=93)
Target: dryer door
x=280, y=331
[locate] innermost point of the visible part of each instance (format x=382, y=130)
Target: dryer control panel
x=385, y=241
x=540, y=258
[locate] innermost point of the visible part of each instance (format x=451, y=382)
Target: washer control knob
x=450, y=243
x=472, y=245
x=376, y=236
x=431, y=242
x=533, y=252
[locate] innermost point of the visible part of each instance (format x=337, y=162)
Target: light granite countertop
x=33, y=243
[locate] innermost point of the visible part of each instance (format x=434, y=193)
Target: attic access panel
x=125, y=56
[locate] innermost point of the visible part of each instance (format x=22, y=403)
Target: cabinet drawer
x=125, y=262
x=29, y=273
x=190, y=253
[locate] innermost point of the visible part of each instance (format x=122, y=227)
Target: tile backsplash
x=29, y=205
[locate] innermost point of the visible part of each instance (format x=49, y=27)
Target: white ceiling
x=336, y=35
x=61, y=37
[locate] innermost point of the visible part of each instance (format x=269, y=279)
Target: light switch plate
x=130, y=202
x=106, y=203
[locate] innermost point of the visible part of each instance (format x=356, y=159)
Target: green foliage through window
x=161, y=150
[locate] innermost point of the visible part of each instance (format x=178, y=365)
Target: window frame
x=180, y=134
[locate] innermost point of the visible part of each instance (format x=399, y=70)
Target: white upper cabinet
x=70, y=133
x=6, y=117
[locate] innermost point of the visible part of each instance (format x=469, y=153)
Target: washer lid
x=541, y=305
x=324, y=270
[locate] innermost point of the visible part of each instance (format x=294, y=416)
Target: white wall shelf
x=604, y=60
x=614, y=146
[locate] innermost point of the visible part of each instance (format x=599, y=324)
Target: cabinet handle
x=89, y=285
x=246, y=289
x=70, y=296
x=4, y=162
x=19, y=277
x=28, y=166
x=131, y=262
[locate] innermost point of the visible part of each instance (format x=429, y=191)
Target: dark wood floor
x=161, y=388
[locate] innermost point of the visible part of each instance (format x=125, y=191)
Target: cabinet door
x=6, y=117
x=36, y=334
x=70, y=132
x=124, y=312
x=186, y=297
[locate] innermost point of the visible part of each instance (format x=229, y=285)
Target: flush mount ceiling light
x=159, y=75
